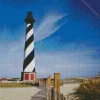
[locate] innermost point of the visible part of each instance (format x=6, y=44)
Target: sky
x=67, y=37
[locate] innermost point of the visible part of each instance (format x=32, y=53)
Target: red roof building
x=3, y=79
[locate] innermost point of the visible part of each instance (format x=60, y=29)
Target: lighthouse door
x=26, y=76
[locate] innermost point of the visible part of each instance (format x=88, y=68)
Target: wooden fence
x=53, y=92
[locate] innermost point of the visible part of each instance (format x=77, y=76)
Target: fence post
x=55, y=94
x=62, y=97
x=52, y=93
x=49, y=88
x=49, y=81
x=57, y=84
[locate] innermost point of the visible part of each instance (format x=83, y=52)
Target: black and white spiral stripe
x=29, y=61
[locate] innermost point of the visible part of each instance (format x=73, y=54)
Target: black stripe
x=29, y=28
x=28, y=59
x=33, y=70
x=29, y=41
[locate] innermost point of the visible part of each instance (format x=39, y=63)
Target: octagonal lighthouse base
x=28, y=76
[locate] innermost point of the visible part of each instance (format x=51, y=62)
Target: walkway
x=41, y=95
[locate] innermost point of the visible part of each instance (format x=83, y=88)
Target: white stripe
x=30, y=67
x=28, y=25
x=29, y=34
x=29, y=49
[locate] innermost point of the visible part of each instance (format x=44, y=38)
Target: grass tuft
x=14, y=85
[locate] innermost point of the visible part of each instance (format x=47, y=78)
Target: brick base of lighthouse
x=28, y=76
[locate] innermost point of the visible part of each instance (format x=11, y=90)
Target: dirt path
x=18, y=93
x=41, y=95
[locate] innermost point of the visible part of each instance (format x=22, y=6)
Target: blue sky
x=67, y=34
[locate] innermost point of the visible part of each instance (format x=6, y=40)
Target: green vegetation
x=89, y=90
x=14, y=79
x=14, y=85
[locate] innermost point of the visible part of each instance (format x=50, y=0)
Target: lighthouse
x=29, y=73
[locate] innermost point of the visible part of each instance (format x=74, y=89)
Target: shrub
x=90, y=90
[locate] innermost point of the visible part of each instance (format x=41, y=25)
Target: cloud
x=11, y=64
x=48, y=25
x=74, y=63
x=11, y=52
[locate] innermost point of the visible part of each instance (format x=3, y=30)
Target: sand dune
x=68, y=88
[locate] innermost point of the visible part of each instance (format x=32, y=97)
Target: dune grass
x=14, y=85
x=90, y=90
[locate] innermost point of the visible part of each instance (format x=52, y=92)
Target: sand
x=68, y=88
x=29, y=92
x=18, y=93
